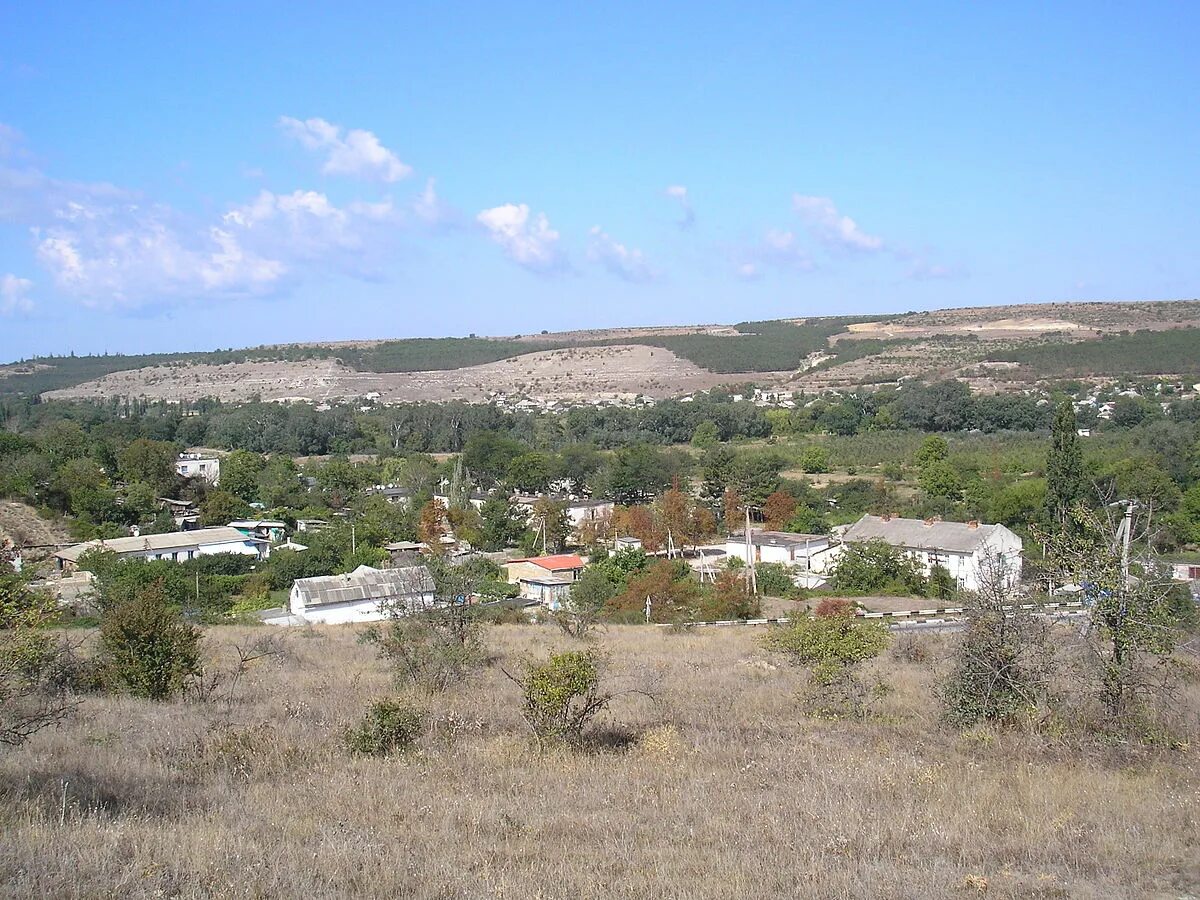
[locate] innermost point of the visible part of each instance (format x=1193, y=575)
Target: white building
x=364, y=595
x=808, y=551
x=198, y=465
x=579, y=510
x=176, y=545
x=962, y=548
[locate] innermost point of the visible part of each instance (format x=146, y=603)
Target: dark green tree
x=1064, y=465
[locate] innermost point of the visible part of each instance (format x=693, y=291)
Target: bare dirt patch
x=21, y=524
x=574, y=374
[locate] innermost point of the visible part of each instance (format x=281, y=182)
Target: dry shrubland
x=714, y=786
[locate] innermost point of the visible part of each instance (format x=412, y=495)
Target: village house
x=579, y=510
x=475, y=498
x=547, y=579
x=364, y=595
x=964, y=549
x=808, y=551
x=176, y=545
x=199, y=465
x=391, y=493
x=1185, y=568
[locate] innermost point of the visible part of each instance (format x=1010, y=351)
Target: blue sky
x=191, y=176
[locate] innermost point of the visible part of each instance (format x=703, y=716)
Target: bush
x=876, y=567
x=389, y=726
x=147, y=646
x=774, y=580
x=431, y=649
x=830, y=647
x=561, y=696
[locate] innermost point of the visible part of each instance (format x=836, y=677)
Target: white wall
x=240, y=548
x=347, y=613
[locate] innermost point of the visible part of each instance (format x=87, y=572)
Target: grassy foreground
x=718, y=788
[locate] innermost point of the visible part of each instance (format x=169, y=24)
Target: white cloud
x=354, y=152
x=680, y=193
x=431, y=209
x=14, y=294
x=620, y=260
x=777, y=249
x=527, y=241
x=129, y=256
x=831, y=227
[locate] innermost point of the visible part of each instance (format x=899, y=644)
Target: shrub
x=814, y=460
x=431, y=649
x=774, y=580
x=34, y=666
x=561, y=696
x=147, y=646
x=388, y=726
x=1002, y=665
x=827, y=644
x=874, y=566
x=830, y=647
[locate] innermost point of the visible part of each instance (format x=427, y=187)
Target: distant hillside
x=998, y=348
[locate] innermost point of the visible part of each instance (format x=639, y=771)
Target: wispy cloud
x=14, y=294
x=679, y=193
x=923, y=270
x=831, y=227
x=354, y=152
x=776, y=249
x=622, y=261
x=527, y=240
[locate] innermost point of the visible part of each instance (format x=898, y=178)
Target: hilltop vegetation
x=1175, y=351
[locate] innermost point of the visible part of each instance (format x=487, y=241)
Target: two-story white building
x=199, y=465
x=964, y=549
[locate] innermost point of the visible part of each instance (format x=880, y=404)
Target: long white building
x=962, y=548
x=174, y=545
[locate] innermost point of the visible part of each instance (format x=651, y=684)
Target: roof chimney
x=974, y=523
x=886, y=517
x=929, y=522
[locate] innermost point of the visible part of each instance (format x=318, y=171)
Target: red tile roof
x=555, y=563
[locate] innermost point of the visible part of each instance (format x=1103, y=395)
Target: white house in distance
x=579, y=509
x=175, y=545
x=962, y=548
x=809, y=551
x=364, y=595
x=199, y=465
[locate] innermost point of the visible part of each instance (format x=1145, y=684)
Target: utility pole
x=353, y=540
x=752, y=580
x=1126, y=530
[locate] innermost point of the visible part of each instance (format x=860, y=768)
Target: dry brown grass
x=720, y=789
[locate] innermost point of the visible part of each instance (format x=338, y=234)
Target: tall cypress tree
x=1064, y=465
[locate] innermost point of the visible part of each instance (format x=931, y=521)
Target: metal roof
x=918, y=534
x=159, y=543
x=778, y=539
x=364, y=583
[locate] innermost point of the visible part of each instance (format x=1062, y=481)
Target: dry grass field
x=719, y=788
